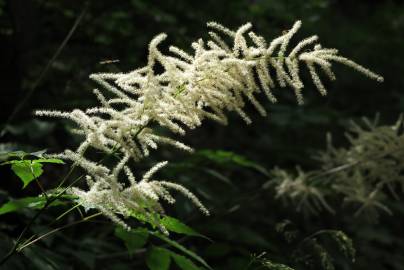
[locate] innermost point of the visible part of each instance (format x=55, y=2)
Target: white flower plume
x=216, y=78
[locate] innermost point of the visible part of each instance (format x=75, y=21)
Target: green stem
x=67, y=211
x=56, y=230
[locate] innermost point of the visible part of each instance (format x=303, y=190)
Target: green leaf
x=19, y=154
x=28, y=202
x=133, y=239
x=183, y=262
x=170, y=223
x=140, y=217
x=180, y=247
x=158, y=258
x=27, y=171
x=223, y=157
x=174, y=225
x=13, y=206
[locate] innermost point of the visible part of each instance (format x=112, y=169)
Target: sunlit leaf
x=27, y=171
x=170, y=223
x=174, y=225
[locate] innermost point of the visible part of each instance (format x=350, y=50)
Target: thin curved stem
x=56, y=230
x=45, y=70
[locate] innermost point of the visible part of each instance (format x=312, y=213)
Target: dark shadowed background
x=38, y=70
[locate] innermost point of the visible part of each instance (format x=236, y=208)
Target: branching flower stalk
x=220, y=76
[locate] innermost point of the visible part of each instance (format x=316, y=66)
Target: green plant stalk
x=56, y=230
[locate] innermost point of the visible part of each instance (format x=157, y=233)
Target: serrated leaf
x=183, y=249
x=28, y=202
x=133, y=239
x=174, y=225
x=183, y=262
x=158, y=258
x=27, y=171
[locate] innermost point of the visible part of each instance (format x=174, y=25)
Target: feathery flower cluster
x=305, y=195
x=218, y=77
x=362, y=175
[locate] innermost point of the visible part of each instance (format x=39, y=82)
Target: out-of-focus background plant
x=49, y=48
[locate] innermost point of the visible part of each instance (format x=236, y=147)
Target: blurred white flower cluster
x=177, y=92
x=363, y=175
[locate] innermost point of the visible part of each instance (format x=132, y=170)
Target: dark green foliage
x=27, y=202
x=230, y=174
x=134, y=239
x=158, y=258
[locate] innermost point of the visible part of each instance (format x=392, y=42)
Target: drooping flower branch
x=216, y=78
